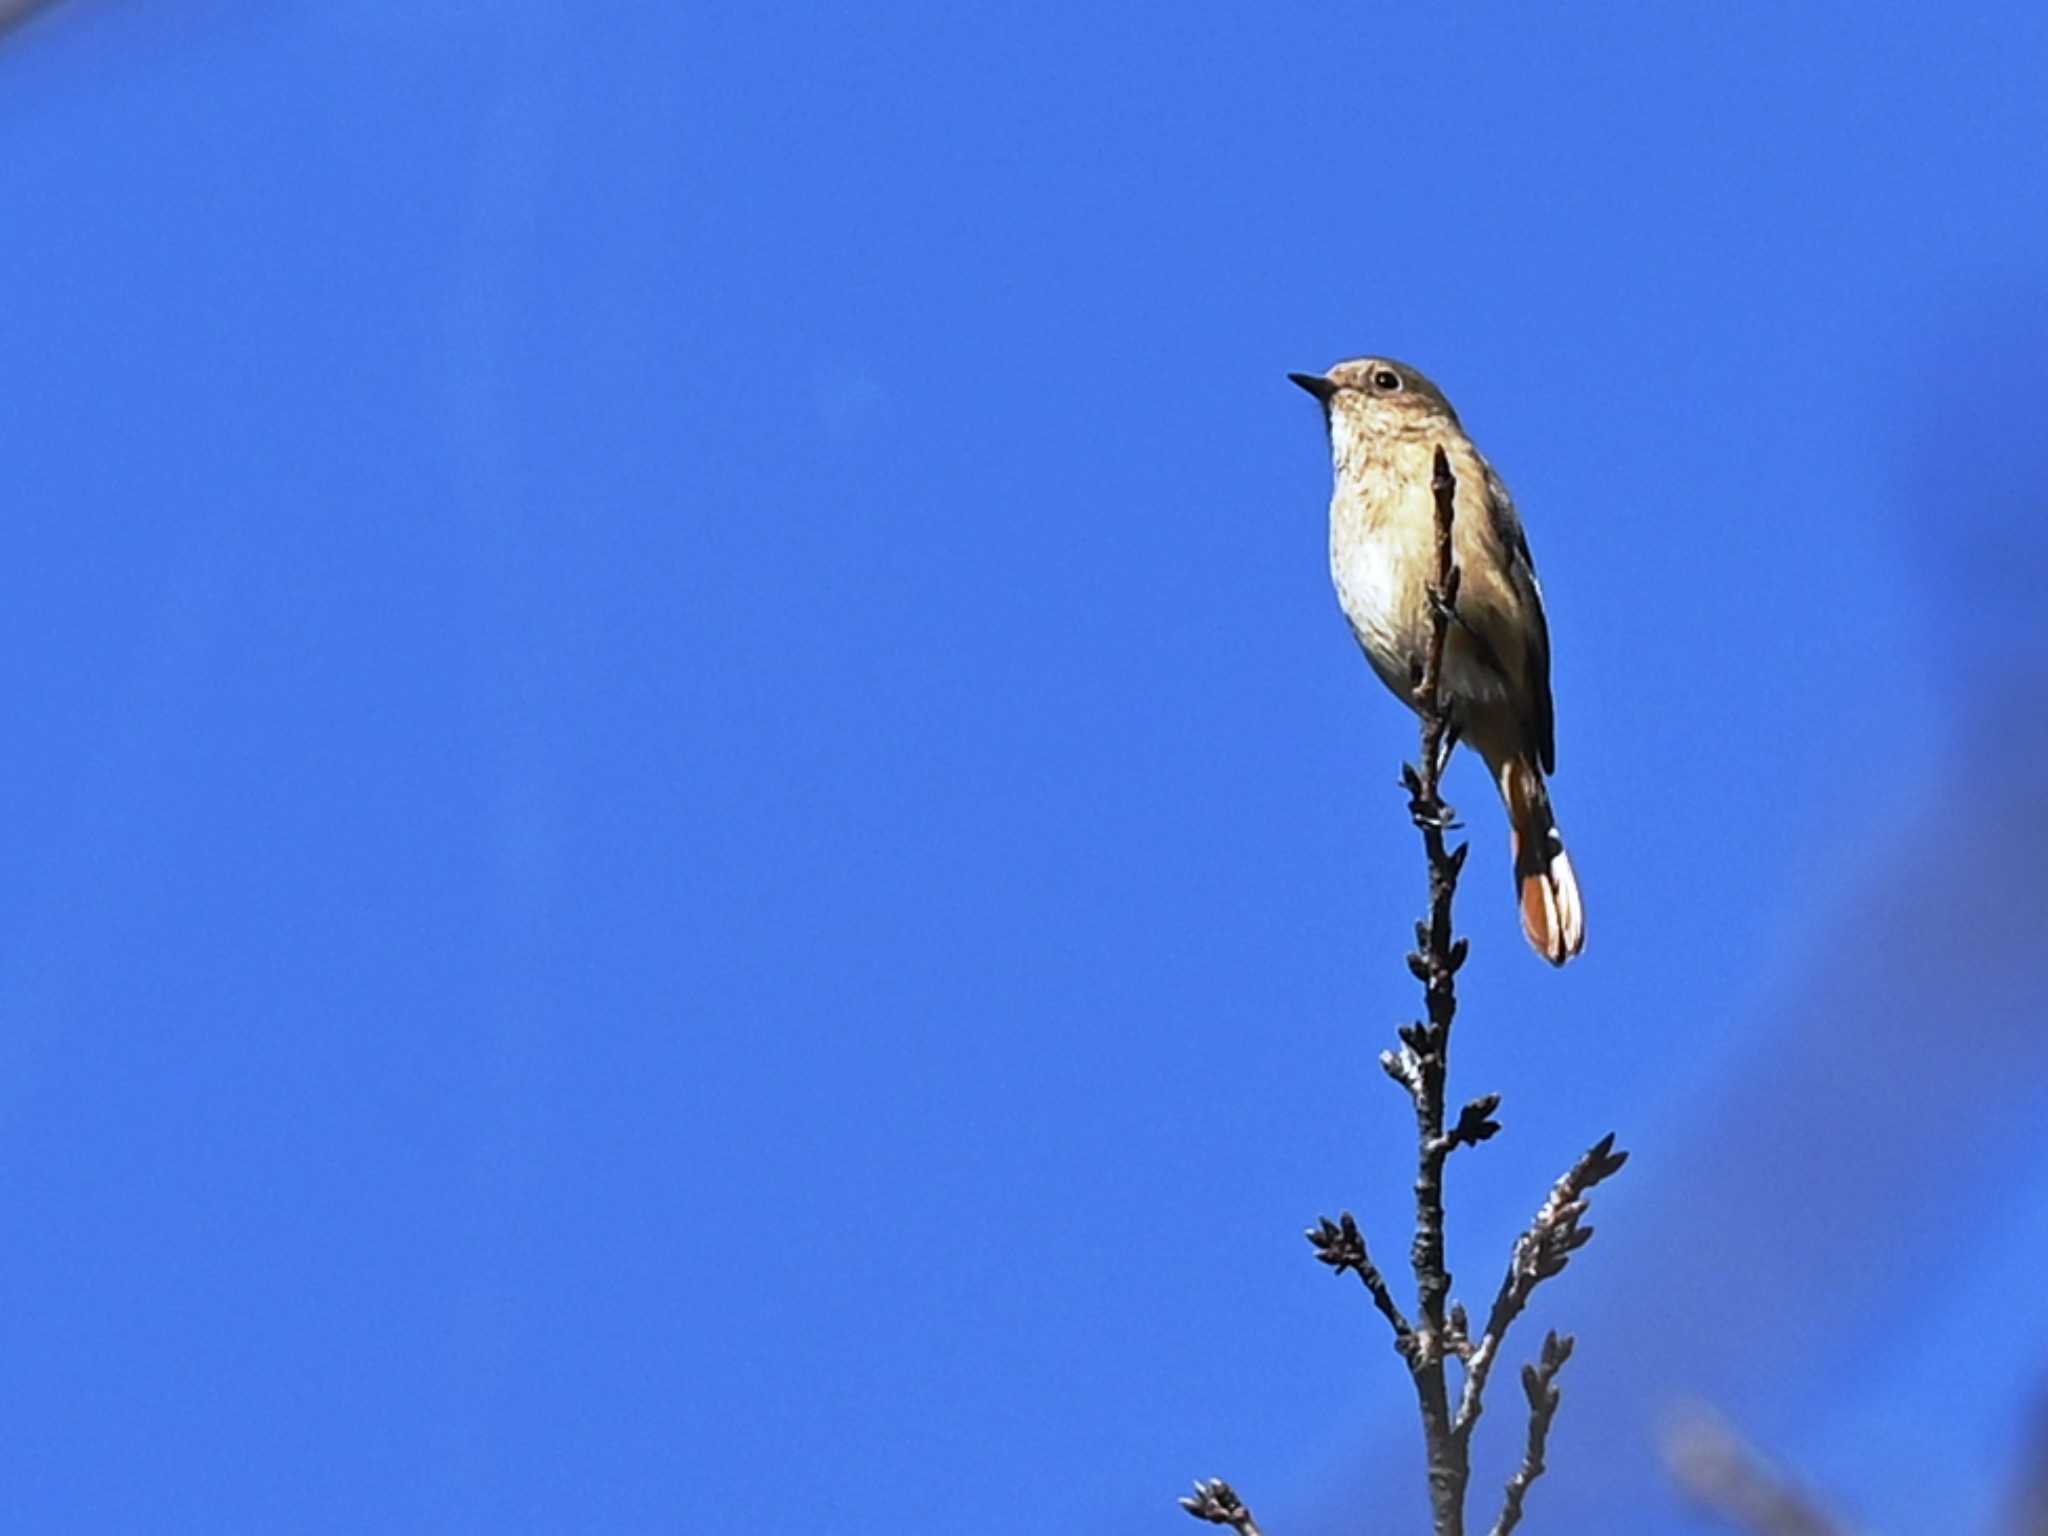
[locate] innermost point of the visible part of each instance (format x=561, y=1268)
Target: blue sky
x=695, y=845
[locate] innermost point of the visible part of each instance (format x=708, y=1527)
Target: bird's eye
x=1386, y=379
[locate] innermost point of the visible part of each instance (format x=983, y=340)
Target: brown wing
x=1539, y=719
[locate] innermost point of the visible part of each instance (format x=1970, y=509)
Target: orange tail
x=1553, y=916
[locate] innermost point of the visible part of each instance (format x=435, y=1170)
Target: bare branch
x=1540, y=1252
x=1475, y=1123
x=1424, y=1058
x=1342, y=1247
x=1217, y=1502
x=1538, y=1386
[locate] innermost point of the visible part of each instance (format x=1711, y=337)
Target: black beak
x=1316, y=385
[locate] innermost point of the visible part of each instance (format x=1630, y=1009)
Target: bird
x=1386, y=420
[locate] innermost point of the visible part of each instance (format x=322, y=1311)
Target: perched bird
x=1386, y=422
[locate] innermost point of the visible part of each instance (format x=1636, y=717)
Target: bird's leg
x=1454, y=727
x=1446, y=604
x=1448, y=746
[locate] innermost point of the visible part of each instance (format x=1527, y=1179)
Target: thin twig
x=1423, y=1062
x=1341, y=1245
x=1217, y=1502
x=1538, y=1386
x=1540, y=1252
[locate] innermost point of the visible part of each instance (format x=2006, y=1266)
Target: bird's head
x=1375, y=399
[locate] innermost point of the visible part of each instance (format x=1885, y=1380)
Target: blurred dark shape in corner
x=2029, y=1512
x=1728, y=1479
x=1974, y=483
x=14, y=12
x=1834, y=1195
x=1725, y=1477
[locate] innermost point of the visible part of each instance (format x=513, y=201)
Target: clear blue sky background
x=692, y=844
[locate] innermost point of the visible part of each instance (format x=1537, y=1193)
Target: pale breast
x=1383, y=558
x=1379, y=549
